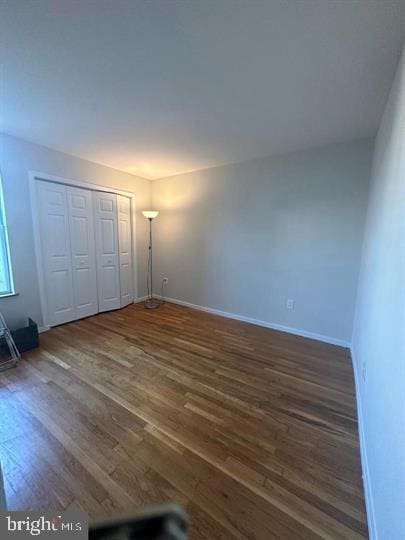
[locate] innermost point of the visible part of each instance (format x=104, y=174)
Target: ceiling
x=163, y=87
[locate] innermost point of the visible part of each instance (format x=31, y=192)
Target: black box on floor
x=26, y=338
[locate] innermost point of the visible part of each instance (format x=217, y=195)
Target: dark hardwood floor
x=253, y=431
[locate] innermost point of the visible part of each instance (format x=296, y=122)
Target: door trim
x=33, y=176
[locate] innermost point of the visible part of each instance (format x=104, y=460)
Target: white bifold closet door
x=86, y=244
x=68, y=256
x=125, y=249
x=108, y=270
x=81, y=222
x=56, y=256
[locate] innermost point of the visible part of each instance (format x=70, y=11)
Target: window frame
x=5, y=247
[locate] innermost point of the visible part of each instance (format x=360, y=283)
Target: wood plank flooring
x=252, y=431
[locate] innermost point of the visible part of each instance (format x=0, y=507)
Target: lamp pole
x=150, y=303
x=151, y=258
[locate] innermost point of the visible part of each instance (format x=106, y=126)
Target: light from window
x=6, y=279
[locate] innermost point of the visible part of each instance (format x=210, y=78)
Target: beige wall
x=243, y=238
x=379, y=329
x=17, y=157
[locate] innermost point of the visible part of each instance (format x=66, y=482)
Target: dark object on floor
x=26, y=338
x=166, y=522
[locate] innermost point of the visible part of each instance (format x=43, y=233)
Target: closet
x=86, y=250
x=106, y=244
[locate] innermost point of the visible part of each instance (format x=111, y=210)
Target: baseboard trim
x=42, y=329
x=265, y=324
x=368, y=493
x=140, y=299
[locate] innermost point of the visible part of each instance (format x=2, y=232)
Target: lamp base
x=151, y=304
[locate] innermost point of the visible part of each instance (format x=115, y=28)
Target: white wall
x=379, y=329
x=17, y=157
x=245, y=237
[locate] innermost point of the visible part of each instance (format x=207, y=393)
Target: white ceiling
x=162, y=87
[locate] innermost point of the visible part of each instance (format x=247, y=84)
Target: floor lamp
x=150, y=303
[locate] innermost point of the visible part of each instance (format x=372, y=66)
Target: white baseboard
x=42, y=329
x=140, y=299
x=368, y=493
x=266, y=324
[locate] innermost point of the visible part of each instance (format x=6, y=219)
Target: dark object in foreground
x=165, y=522
x=26, y=338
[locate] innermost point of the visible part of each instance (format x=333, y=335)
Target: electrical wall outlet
x=290, y=303
x=165, y=280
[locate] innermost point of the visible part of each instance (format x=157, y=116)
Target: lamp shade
x=150, y=214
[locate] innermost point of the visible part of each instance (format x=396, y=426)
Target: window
x=6, y=278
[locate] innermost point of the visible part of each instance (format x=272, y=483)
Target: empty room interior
x=202, y=269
